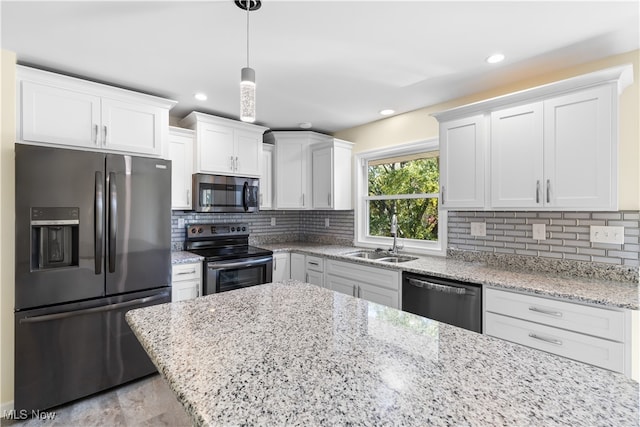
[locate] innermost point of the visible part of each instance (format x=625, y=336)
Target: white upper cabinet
x=224, y=146
x=517, y=176
x=266, y=177
x=70, y=112
x=311, y=171
x=581, y=150
x=180, y=153
x=331, y=175
x=552, y=147
x=462, y=162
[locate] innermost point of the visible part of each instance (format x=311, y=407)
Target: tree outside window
x=407, y=186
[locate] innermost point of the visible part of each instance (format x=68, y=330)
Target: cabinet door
x=281, y=267
x=59, y=116
x=266, y=178
x=462, y=158
x=315, y=277
x=248, y=152
x=181, y=291
x=580, y=150
x=517, y=157
x=134, y=128
x=181, y=155
x=298, y=267
x=290, y=173
x=215, y=149
x=323, y=174
x=342, y=285
x=378, y=295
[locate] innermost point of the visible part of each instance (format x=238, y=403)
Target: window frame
x=361, y=217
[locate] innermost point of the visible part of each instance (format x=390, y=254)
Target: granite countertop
x=290, y=353
x=576, y=289
x=183, y=257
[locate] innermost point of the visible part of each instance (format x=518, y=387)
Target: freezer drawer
x=70, y=351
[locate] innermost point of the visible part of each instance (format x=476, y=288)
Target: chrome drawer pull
x=549, y=340
x=186, y=272
x=550, y=313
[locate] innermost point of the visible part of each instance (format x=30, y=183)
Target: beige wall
x=7, y=223
x=417, y=125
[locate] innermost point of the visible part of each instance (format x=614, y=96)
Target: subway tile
x=515, y=245
x=576, y=257
x=576, y=229
x=592, y=251
x=631, y=215
x=590, y=222
x=631, y=224
x=538, y=221
x=564, y=249
x=606, y=260
x=606, y=246
x=526, y=252
x=563, y=235
x=537, y=247
x=577, y=215
x=623, y=254
x=526, y=215
x=555, y=255
x=631, y=262
x=567, y=222
x=550, y=215
x=606, y=215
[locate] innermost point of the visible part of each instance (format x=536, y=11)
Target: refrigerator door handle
x=98, y=225
x=113, y=221
x=100, y=309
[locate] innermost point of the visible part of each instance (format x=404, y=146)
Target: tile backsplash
x=289, y=226
x=567, y=237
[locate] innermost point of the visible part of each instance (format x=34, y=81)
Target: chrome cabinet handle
x=538, y=191
x=260, y=199
x=105, y=134
x=275, y=263
x=548, y=191
x=549, y=340
x=302, y=199
x=236, y=168
x=358, y=291
x=548, y=312
x=329, y=199
x=306, y=277
x=95, y=134
x=186, y=272
x=313, y=263
x=353, y=293
x=443, y=195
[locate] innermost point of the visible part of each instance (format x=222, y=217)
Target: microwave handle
x=245, y=196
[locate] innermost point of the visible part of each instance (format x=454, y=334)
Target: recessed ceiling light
x=495, y=58
x=200, y=96
x=305, y=125
x=386, y=112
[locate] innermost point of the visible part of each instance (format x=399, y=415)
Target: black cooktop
x=222, y=242
x=234, y=252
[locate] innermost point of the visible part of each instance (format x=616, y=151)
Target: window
x=401, y=180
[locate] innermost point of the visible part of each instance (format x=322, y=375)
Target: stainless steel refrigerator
x=93, y=240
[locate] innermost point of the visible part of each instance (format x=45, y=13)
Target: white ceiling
x=335, y=64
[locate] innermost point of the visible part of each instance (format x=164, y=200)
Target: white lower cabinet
x=281, y=267
x=314, y=270
x=373, y=284
x=186, y=281
x=298, y=267
x=598, y=336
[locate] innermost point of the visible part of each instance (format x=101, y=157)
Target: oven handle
x=234, y=264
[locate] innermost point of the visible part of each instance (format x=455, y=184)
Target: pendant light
x=248, y=74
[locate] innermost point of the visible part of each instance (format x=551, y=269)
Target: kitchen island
x=290, y=353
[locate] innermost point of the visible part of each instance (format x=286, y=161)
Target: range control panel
x=216, y=230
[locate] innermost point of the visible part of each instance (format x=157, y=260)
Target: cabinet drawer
x=594, y=321
x=181, y=272
x=595, y=351
x=363, y=274
x=315, y=263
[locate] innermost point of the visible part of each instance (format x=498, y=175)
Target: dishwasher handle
x=437, y=287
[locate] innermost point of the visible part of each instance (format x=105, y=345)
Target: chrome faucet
x=394, y=233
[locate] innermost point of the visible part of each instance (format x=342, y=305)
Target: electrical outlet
x=478, y=229
x=539, y=232
x=273, y=221
x=326, y=222
x=602, y=234
x=180, y=222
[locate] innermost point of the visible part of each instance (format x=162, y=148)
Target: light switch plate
x=539, y=232
x=273, y=221
x=602, y=234
x=478, y=229
x=326, y=222
x=180, y=222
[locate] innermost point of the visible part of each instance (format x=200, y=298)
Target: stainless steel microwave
x=220, y=193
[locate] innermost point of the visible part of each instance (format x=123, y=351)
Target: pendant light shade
x=248, y=74
x=248, y=95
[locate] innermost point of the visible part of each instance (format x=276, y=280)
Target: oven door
x=228, y=275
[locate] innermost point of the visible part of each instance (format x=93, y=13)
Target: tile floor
x=146, y=402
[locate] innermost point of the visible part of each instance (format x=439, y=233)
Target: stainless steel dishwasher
x=449, y=301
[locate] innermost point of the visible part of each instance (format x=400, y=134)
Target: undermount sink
x=368, y=254
x=397, y=258
x=381, y=256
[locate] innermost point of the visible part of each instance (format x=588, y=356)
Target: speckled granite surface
x=296, y=354
x=183, y=257
x=576, y=289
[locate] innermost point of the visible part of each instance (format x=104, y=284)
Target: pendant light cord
x=248, y=1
